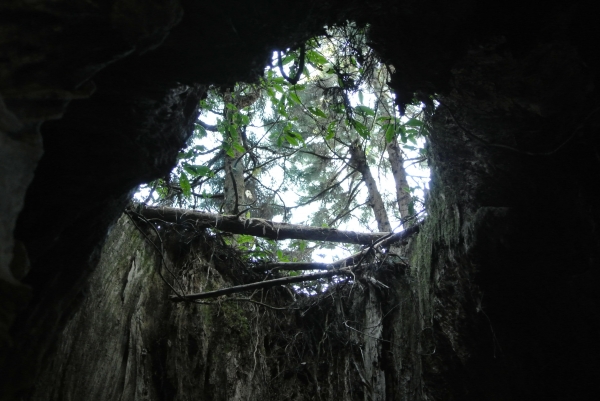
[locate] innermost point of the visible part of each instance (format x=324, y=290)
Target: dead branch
x=340, y=267
x=293, y=266
x=259, y=227
x=262, y=228
x=262, y=284
x=389, y=239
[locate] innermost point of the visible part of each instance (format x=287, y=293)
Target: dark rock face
x=128, y=341
x=515, y=248
x=49, y=53
x=506, y=267
x=131, y=107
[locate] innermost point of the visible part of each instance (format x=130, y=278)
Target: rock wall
x=127, y=340
x=509, y=252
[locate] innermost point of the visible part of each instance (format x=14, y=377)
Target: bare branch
x=388, y=239
x=259, y=227
x=293, y=266
x=293, y=80
x=211, y=128
x=358, y=160
x=340, y=267
x=262, y=284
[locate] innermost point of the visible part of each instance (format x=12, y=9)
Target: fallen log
x=258, y=227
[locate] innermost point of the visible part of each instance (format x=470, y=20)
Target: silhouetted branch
x=261, y=228
x=211, y=128
x=259, y=285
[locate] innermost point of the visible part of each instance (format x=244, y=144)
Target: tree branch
x=402, y=187
x=388, y=239
x=211, y=128
x=293, y=266
x=293, y=80
x=259, y=227
x=358, y=160
x=344, y=266
x=262, y=284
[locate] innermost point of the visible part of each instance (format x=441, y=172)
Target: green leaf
x=412, y=132
x=281, y=106
x=298, y=87
x=330, y=131
x=239, y=147
x=390, y=132
x=162, y=191
x=413, y=122
x=291, y=140
x=361, y=129
x=229, y=150
x=184, y=155
x=315, y=57
x=297, y=135
x=402, y=134
x=200, y=131
x=317, y=112
x=203, y=171
x=245, y=239
x=360, y=97
x=294, y=97
x=288, y=58
x=184, y=183
x=365, y=110
x=189, y=169
x=245, y=119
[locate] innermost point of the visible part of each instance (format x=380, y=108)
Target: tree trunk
x=358, y=160
x=388, y=109
x=402, y=188
x=234, y=187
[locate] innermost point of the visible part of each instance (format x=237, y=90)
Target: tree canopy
x=317, y=141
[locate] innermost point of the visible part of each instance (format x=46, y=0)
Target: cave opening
x=500, y=302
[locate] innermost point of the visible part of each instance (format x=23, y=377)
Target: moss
x=235, y=321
